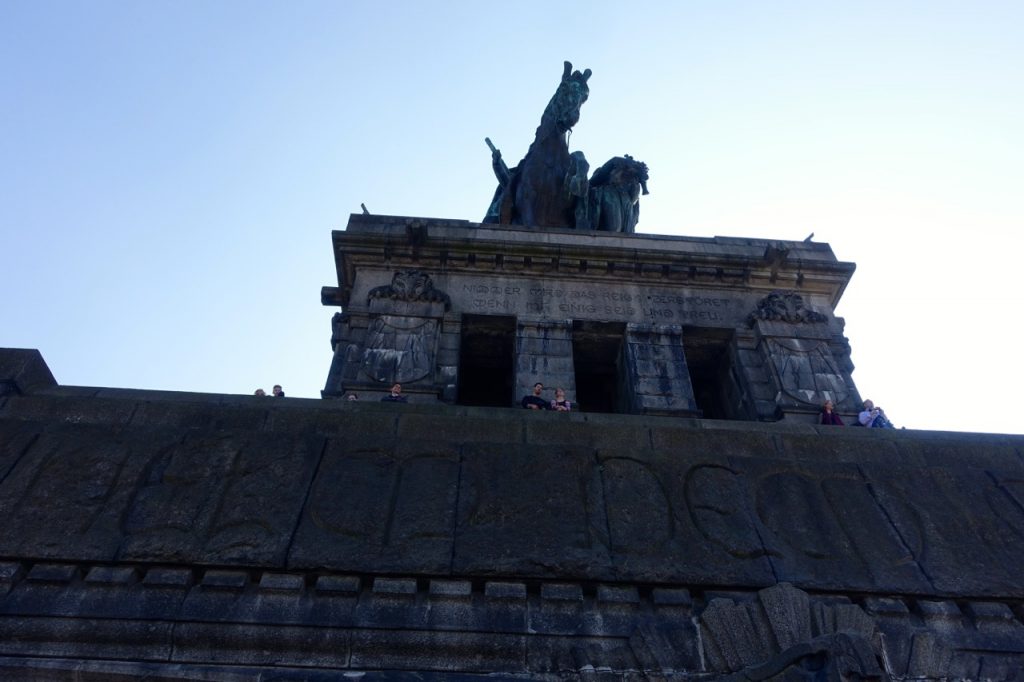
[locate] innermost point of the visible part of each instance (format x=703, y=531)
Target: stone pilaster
x=658, y=379
x=544, y=353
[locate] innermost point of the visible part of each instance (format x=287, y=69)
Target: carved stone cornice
x=462, y=247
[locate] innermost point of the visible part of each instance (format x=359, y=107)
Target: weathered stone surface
x=782, y=628
x=530, y=512
x=449, y=428
x=218, y=499
x=586, y=655
x=823, y=527
x=194, y=415
x=68, y=493
x=400, y=514
x=23, y=370
x=439, y=651
x=757, y=516
x=963, y=528
x=261, y=645
x=584, y=430
x=504, y=543
x=85, y=638
x=15, y=439
x=70, y=410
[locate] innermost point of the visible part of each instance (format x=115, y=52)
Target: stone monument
x=475, y=314
x=690, y=522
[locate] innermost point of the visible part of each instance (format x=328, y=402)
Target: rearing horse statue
x=548, y=185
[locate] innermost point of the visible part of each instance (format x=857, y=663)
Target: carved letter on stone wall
x=636, y=499
x=808, y=372
x=399, y=348
x=370, y=509
x=173, y=508
x=220, y=499
x=716, y=501
x=68, y=492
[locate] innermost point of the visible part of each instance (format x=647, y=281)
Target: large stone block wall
x=190, y=536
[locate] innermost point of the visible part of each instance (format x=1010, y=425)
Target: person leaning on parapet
x=278, y=392
x=535, y=402
x=874, y=417
x=828, y=416
x=560, y=404
x=395, y=396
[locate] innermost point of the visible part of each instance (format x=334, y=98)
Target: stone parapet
x=186, y=535
x=113, y=475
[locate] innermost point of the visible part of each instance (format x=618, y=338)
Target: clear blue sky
x=172, y=170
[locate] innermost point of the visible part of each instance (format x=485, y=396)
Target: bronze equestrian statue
x=542, y=191
x=549, y=187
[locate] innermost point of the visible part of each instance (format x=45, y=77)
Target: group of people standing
x=534, y=401
x=278, y=391
x=870, y=416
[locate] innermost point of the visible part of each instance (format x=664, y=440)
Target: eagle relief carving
x=412, y=286
x=785, y=306
x=401, y=347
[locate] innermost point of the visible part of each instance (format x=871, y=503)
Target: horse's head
x=564, y=107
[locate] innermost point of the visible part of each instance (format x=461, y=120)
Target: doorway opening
x=597, y=362
x=487, y=361
x=709, y=361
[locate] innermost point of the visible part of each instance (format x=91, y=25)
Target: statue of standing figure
x=549, y=187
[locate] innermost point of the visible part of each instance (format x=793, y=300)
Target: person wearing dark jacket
x=535, y=402
x=395, y=396
x=828, y=416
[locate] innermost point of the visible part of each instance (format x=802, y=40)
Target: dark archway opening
x=597, y=361
x=487, y=360
x=709, y=363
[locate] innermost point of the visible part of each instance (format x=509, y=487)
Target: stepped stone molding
x=181, y=623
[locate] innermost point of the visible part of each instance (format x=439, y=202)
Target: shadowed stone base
x=181, y=536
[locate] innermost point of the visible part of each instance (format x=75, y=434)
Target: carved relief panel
x=399, y=348
x=799, y=350
x=394, y=338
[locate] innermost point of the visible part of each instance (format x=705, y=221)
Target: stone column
x=757, y=385
x=448, y=356
x=658, y=381
x=544, y=353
